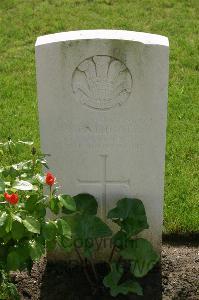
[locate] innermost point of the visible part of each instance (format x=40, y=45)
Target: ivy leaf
x=49, y=230
x=32, y=224
x=112, y=279
x=142, y=255
x=68, y=202
x=86, y=204
x=130, y=215
x=23, y=185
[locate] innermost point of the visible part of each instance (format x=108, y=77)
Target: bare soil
x=177, y=278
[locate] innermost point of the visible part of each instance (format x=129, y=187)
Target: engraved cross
x=104, y=182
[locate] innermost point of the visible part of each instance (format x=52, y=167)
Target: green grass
x=21, y=21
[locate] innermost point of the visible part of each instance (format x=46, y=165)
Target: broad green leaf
x=2, y=186
x=142, y=255
x=32, y=224
x=54, y=205
x=35, y=208
x=39, y=178
x=13, y=173
x=86, y=229
x=37, y=249
x=114, y=276
x=50, y=245
x=64, y=228
x=13, y=261
x=3, y=217
x=23, y=250
x=18, y=230
x=7, y=237
x=8, y=223
x=65, y=243
x=86, y=204
x=31, y=203
x=130, y=215
x=17, y=218
x=112, y=281
x=130, y=286
x=127, y=208
x=40, y=211
x=49, y=230
x=42, y=161
x=120, y=239
x=68, y=202
x=89, y=227
x=3, y=232
x=23, y=185
x=20, y=166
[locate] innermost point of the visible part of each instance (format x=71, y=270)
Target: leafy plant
x=86, y=228
x=26, y=233
x=129, y=214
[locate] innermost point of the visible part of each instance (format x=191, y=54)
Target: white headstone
x=103, y=106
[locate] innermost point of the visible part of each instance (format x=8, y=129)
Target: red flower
x=12, y=198
x=50, y=179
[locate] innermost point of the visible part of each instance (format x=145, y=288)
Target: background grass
x=21, y=21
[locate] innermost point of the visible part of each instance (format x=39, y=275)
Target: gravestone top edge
x=104, y=34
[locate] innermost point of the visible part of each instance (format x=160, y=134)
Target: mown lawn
x=21, y=21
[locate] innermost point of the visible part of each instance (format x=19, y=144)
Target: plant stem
x=50, y=196
x=94, y=269
x=79, y=256
x=119, y=259
x=84, y=268
x=112, y=252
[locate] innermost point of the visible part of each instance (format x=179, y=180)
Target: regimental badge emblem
x=102, y=82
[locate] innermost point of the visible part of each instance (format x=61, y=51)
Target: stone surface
x=103, y=106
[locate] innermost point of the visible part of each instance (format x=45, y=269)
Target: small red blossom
x=11, y=198
x=50, y=179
